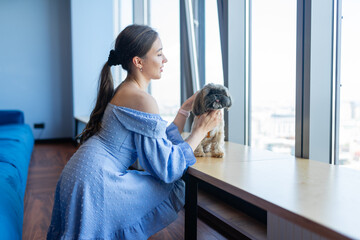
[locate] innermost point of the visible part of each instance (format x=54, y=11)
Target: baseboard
x=55, y=140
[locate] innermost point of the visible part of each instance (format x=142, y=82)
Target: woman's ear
x=138, y=62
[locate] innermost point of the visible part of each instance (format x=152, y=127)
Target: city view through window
x=349, y=126
x=273, y=79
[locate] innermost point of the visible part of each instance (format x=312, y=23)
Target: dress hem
x=152, y=222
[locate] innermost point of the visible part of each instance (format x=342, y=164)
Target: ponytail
x=134, y=40
x=104, y=96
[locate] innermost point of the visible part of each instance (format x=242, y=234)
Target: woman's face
x=154, y=61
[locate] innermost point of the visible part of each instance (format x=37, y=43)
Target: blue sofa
x=16, y=145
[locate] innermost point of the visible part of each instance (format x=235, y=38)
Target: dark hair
x=134, y=40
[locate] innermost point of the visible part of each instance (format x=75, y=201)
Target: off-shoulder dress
x=98, y=197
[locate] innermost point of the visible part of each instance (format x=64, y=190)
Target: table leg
x=191, y=191
x=76, y=128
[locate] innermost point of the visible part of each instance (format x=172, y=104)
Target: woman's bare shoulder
x=135, y=99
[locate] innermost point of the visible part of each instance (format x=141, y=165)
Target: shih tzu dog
x=212, y=97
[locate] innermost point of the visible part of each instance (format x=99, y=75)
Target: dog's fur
x=212, y=97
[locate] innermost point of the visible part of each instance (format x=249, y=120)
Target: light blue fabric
x=97, y=197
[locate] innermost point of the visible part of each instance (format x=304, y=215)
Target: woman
x=97, y=196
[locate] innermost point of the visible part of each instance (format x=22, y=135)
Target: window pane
x=123, y=16
x=349, y=127
x=213, y=62
x=273, y=80
x=167, y=23
x=126, y=13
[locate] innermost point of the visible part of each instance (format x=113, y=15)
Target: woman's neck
x=138, y=81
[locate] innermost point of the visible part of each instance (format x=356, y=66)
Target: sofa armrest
x=11, y=117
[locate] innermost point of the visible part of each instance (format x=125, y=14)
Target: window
x=349, y=125
x=166, y=91
x=213, y=62
x=273, y=75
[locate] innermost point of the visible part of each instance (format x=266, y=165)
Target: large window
x=349, y=127
x=164, y=18
x=273, y=79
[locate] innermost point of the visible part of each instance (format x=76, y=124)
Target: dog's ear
x=228, y=95
x=230, y=98
x=229, y=104
x=198, y=104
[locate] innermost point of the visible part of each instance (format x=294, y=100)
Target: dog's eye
x=214, y=92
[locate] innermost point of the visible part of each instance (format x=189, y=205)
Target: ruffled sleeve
x=160, y=150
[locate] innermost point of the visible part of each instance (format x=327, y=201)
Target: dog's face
x=211, y=96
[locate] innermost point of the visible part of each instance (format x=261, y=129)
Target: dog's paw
x=217, y=154
x=207, y=149
x=199, y=154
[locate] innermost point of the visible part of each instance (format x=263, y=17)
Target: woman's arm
x=180, y=121
x=181, y=116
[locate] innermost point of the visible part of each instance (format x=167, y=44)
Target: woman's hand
x=203, y=124
x=207, y=121
x=187, y=105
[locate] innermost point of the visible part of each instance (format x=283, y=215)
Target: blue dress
x=97, y=197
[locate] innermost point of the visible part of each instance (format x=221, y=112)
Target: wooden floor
x=48, y=160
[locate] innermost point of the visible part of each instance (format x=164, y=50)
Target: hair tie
x=114, y=58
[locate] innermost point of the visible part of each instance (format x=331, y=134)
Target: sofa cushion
x=11, y=202
x=11, y=116
x=16, y=144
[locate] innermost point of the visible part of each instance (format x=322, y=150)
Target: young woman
x=97, y=196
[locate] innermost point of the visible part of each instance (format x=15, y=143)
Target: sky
x=273, y=52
